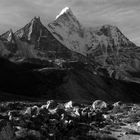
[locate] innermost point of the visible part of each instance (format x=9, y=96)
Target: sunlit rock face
x=34, y=40
x=68, y=30
x=45, y=44
x=106, y=47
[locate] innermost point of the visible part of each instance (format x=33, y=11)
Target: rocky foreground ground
x=69, y=121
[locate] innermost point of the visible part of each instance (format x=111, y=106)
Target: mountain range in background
x=66, y=60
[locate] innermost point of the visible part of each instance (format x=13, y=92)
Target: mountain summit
x=68, y=30
x=30, y=31
x=9, y=36
x=66, y=11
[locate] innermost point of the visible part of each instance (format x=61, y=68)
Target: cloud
x=122, y=13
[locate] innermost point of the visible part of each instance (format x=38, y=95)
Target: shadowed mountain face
x=78, y=83
x=66, y=60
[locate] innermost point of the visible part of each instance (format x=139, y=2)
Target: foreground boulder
x=99, y=105
x=68, y=105
x=51, y=104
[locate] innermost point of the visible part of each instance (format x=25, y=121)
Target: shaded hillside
x=63, y=84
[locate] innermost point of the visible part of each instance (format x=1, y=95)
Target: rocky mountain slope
x=68, y=30
x=105, y=46
x=35, y=41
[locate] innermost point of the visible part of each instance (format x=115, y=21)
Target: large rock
x=68, y=105
x=99, y=105
x=28, y=111
x=117, y=104
x=51, y=104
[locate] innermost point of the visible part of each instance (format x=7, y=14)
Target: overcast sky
x=123, y=13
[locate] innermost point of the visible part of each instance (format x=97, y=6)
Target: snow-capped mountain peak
x=66, y=10
x=66, y=16
x=68, y=30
